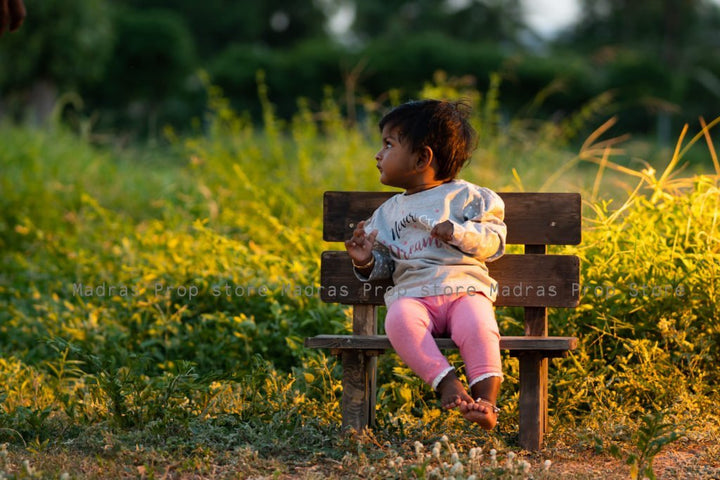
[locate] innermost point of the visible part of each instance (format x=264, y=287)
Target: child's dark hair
x=441, y=125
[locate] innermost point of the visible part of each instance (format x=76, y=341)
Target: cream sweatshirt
x=422, y=266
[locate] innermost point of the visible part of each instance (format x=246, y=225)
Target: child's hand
x=360, y=246
x=443, y=231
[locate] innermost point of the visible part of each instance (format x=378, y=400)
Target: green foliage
x=67, y=42
x=216, y=23
x=497, y=21
x=412, y=60
x=304, y=69
x=131, y=61
x=154, y=55
x=651, y=436
x=659, y=28
x=646, y=310
x=160, y=297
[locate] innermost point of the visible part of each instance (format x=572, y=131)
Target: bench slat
x=524, y=280
x=531, y=218
x=381, y=342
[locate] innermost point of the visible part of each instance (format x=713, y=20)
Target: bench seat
x=550, y=347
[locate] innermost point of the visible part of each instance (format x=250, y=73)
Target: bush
x=304, y=70
x=65, y=42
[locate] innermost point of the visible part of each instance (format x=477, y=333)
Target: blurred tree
x=153, y=57
x=154, y=54
x=473, y=20
x=654, y=53
x=215, y=24
x=498, y=21
x=63, y=44
x=666, y=28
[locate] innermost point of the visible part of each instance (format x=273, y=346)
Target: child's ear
x=426, y=157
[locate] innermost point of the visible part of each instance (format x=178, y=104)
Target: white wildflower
x=436, y=450
x=457, y=469
x=454, y=458
x=525, y=466
x=419, y=451
x=509, y=464
x=444, y=439
x=547, y=464
x=475, y=453
x=65, y=476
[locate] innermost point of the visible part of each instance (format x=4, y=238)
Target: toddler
x=433, y=240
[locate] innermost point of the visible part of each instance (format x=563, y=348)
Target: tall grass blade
x=599, y=175
x=658, y=187
x=711, y=146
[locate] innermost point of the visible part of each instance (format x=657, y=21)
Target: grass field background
x=154, y=300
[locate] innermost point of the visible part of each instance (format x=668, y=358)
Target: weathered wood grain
x=358, y=399
x=523, y=280
x=533, y=399
x=364, y=366
x=531, y=218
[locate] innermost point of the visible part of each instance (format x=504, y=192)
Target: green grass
x=154, y=301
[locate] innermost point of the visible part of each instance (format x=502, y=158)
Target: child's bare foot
x=481, y=412
x=452, y=392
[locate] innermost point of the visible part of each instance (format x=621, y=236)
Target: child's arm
x=483, y=233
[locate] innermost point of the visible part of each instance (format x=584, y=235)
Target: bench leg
x=533, y=400
x=359, y=389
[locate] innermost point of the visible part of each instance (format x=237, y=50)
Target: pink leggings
x=411, y=323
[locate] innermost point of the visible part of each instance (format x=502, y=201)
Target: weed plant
x=157, y=302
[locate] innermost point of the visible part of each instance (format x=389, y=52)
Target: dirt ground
x=683, y=460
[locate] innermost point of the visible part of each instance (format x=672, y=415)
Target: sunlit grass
x=160, y=297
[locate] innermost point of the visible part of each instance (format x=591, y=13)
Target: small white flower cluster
x=444, y=462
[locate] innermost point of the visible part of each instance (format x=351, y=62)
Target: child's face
x=396, y=161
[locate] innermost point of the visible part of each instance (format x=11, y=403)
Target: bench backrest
x=530, y=280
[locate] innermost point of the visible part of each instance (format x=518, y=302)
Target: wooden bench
x=533, y=280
